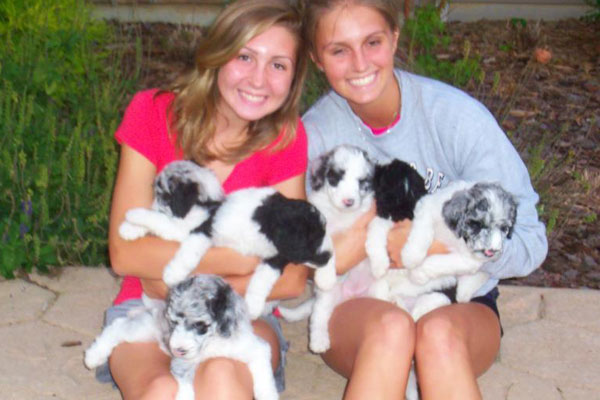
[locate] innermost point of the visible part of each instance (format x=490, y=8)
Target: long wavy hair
x=194, y=109
x=315, y=9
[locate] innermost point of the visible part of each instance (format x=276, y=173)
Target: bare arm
x=397, y=238
x=350, y=244
x=147, y=257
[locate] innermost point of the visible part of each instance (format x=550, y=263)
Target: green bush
x=62, y=96
x=426, y=32
x=594, y=13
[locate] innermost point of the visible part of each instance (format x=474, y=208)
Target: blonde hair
x=197, y=95
x=315, y=9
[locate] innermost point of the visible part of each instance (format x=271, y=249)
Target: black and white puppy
x=202, y=318
x=341, y=188
x=345, y=182
x=398, y=187
x=473, y=220
x=255, y=221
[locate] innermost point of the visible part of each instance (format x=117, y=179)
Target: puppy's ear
x=512, y=214
x=183, y=196
x=454, y=211
x=318, y=170
x=222, y=309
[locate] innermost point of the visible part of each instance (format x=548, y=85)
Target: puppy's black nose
x=348, y=202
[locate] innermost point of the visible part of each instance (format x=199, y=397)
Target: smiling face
x=257, y=81
x=355, y=48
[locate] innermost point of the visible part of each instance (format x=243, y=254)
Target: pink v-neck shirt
x=144, y=129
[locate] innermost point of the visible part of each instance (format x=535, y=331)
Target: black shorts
x=489, y=300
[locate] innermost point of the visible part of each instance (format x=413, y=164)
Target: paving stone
x=297, y=334
x=549, y=351
x=21, y=301
x=308, y=378
x=13, y=392
x=504, y=383
x=576, y=312
x=79, y=279
x=533, y=389
x=80, y=311
x=43, y=366
x=519, y=305
x=570, y=393
x=553, y=351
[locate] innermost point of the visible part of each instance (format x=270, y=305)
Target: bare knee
x=392, y=330
x=160, y=387
x=438, y=338
x=223, y=378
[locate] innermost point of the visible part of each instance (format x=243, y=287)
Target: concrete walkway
x=550, y=349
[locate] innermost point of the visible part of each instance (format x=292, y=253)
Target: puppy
x=202, y=318
x=398, y=187
x=473, y=220
x=342, y=190
x=256, y=221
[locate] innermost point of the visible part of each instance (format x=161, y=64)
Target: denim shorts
x=489, y=299
x=121, y=310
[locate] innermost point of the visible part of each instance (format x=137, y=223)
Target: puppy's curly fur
x=190, y=207
x=473, y=220
x=202, y=318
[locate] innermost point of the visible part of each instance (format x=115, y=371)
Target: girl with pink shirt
x=236, y=113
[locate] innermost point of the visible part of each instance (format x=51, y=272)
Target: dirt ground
x=550, y=111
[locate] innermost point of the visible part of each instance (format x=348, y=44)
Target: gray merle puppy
x=202, y=318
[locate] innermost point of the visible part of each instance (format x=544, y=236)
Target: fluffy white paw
x=379, y=270
x=418, y=312
x=325, y=278
x=463, y=296
x=185, y=392
x=266, y=393
x=418, y=276
x=380, y=290
x=94, y=357
x=129, y=231
x=411, y=257
x=319, y=343
x=255, y=307
x=379, y=264
x=137, y=216
x=173, y=275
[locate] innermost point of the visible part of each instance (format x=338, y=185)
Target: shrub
x=424, y=33
x=62, y=94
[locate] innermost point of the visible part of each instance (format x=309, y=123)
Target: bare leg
x=372, y=344
x=455, y=344
x=217, y=378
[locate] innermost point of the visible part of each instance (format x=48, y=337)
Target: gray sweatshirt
x=446, y=135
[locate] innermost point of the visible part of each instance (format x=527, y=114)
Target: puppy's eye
x=505, y=229
x=474, y=225
x=200, y=327
x=334, y=177
x=364, y=184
